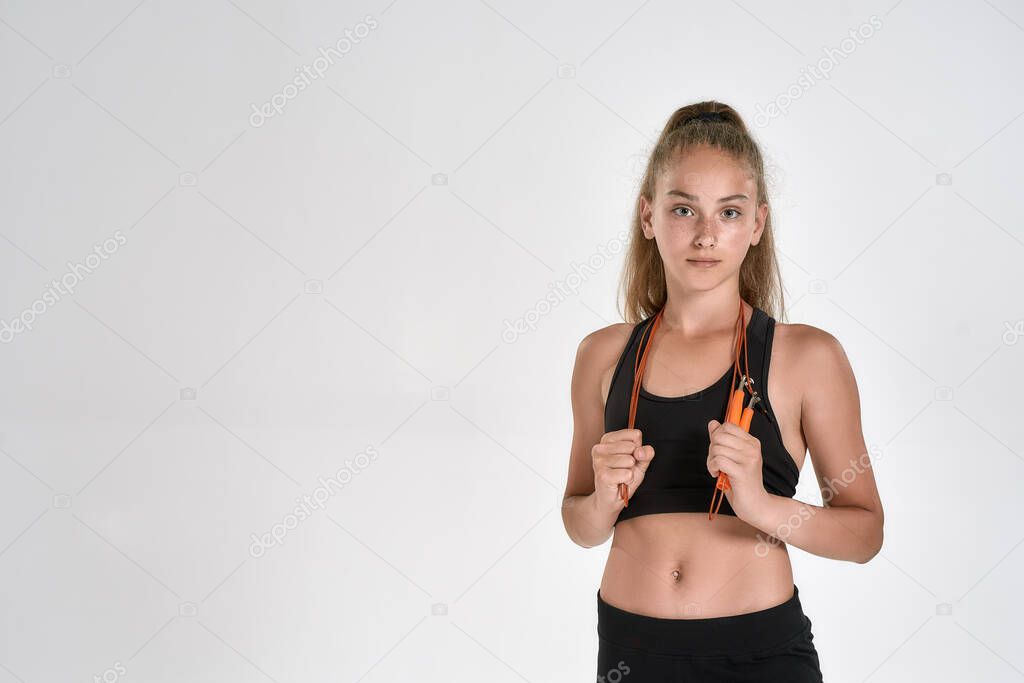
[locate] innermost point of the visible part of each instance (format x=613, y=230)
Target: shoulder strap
x=622, y=378
x=768, y=332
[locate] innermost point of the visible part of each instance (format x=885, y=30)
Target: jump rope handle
x=735, y=416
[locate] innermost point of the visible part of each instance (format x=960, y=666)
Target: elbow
x=869, y=555
x=577, y=540
x=577, y=526
x=878, y=539
x=568, y=525
x=573, y=537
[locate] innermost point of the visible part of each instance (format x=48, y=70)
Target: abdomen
x=725, y=566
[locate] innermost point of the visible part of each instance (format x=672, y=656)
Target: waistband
x=738, y=634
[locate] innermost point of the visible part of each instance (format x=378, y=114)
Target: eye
x=684, y=208
x=734, y=210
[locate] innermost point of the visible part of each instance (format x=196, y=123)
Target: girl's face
x=704, y=217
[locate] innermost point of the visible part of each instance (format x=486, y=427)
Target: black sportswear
x=677, y=479
x=773, y=645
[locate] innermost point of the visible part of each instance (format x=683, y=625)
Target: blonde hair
x=643, y=276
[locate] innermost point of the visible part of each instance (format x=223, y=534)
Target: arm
x=586, y=521
x=849, y=525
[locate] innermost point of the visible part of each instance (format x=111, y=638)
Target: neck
x=699, y=313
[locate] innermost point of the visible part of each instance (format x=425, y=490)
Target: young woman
x=696, y=589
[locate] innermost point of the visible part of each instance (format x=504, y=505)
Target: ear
x=760, y=219
x=645, y=218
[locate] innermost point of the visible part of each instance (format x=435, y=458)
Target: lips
x=703, y=263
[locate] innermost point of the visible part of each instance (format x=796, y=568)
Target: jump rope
x=734, y=412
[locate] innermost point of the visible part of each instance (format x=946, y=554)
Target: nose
x=705, y=236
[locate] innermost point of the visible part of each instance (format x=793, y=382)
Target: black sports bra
x=677, y=480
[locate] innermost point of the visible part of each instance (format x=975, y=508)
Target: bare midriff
x=682, y=565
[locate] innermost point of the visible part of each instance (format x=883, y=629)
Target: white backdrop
x=284, y=393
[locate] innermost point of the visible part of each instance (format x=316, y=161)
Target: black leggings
x=772, y=645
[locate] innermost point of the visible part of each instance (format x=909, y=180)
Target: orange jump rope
x=734, y=413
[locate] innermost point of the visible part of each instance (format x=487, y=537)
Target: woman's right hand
x=620, y=457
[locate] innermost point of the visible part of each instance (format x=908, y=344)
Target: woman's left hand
x=738, y=454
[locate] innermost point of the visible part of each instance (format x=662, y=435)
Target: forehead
x=706, y=172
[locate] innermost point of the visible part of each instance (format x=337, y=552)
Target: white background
x=336, y=282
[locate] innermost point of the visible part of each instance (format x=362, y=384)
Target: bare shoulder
x=598, y=354
x=809, y=353
x=603, y=341
x=804, y=338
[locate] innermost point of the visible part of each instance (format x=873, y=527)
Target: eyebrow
x=694, y=198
